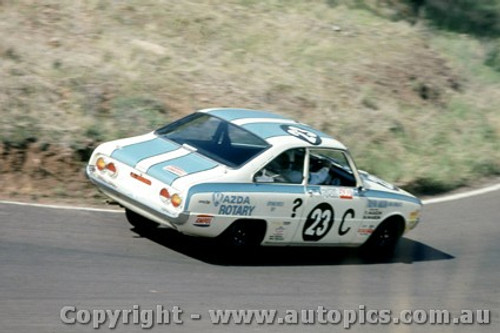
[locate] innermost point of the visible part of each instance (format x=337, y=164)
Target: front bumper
x=134, y=204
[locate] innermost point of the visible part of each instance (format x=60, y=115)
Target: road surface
x=84, y=260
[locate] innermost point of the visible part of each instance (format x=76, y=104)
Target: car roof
x=270, y=126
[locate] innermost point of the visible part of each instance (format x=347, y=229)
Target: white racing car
x=252, y=178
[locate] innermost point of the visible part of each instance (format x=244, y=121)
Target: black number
x=318, y=222
x=343, y=232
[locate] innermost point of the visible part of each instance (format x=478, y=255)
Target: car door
x=333, y=208
x=280, y=194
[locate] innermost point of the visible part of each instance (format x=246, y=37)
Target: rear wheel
x=139, y=221
x=244, y=234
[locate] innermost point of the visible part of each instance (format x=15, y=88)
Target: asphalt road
x=52, y=258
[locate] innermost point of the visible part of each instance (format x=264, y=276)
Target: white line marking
x=88, y=209
x=445, y=198
x=464, y=195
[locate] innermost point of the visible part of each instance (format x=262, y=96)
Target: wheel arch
x=258, y=225
x=384, y=238
x=396, y=218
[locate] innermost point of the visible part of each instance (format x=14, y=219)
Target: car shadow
x=209, y=251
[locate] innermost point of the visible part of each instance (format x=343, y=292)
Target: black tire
x=384, y=239
x=139, y=221
x=244, y=235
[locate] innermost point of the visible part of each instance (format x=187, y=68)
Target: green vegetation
x=481, y=18
x=412, y=87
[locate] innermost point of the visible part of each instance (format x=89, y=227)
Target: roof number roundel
x=302, y=134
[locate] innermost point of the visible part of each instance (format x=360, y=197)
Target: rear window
x=216, y=138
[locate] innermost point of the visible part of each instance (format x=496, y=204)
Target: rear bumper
x=142, y=208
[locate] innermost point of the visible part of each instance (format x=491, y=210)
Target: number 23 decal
x=320, y=221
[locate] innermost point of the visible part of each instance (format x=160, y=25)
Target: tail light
x=176, y=200
x=111, y=168
x=164, y=195
x=101, y=165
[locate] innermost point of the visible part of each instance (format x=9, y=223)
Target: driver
x=288, y=167
x=321, y=173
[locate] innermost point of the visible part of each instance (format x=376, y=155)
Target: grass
x=416, y=106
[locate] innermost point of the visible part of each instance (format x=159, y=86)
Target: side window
x=330, y=167
x=287, y=168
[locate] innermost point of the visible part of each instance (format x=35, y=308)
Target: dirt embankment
x=42, y=172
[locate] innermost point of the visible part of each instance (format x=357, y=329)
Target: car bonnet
x=377, y=187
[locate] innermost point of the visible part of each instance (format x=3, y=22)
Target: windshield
x=218, y=139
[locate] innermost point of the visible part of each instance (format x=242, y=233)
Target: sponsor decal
x=375, y=208
x=366, y=231
x=236, y=210
x=302, y=134
x=175, y=170
x=345, y=193
x=275, y=204
x=342, y=193
x=383, y=204
x=205, y=202
x=203, y=220
x=277, y=234
x=329, y=192
x=233, y=204
x=372, y=214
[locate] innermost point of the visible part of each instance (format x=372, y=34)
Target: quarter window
x=287, y=168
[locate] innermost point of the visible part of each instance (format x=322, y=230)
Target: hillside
x=416, y=104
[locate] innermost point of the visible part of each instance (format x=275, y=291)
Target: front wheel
x=384, y=239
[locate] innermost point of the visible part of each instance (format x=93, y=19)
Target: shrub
x=480, y=18
x=493, y=56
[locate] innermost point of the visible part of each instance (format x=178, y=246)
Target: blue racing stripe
x=284, y=188
x=134, y=153
x=243, y=188
x=269, y=130
x=187, y=164
x=233, y=114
